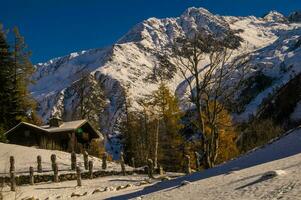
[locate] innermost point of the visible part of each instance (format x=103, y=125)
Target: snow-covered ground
x=99, y=188
x=279, y=179
x=270, y=172
x=26, y=157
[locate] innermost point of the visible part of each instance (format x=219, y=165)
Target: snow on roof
x=64, y=127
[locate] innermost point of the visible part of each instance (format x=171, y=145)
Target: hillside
x=270, y=172
x=273, y=41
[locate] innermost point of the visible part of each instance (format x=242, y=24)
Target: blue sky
x=55, y=28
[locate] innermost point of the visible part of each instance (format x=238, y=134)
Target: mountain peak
x=155, y=32
x=274, y=16
x=192, y=11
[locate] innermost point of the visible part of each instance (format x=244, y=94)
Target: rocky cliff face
x=295, y=17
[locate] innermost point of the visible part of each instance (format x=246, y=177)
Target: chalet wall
x=24, y=136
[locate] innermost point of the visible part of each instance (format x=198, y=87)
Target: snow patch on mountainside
x=281, y=61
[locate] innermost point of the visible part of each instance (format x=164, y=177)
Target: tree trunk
x=156, y=145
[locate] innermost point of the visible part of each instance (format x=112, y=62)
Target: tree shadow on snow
x=54, y=188
x=124, y=180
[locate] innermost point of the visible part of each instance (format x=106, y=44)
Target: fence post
x=145, y=169
x=187, y=164
x=197, y=161
x=150, y=166
x=53, y=161
x=122, y=164
x=56, y=173
x=104, y=160
x=12, y=181
x=86, y=160
x=78, y=176
x=39, y=161
x=31, y=176
x=161, y=171
x=73, y=161
x=133, y=162
x=12, y=163
x=91, y=169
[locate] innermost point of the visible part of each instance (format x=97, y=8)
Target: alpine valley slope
x=273, y=40
x=270, y=172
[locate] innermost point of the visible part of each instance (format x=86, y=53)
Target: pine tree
x=167, y=138
x=138, y=130
x=91, y=99
x=6, y=84
x=128, y=128
x=16, y=104
x=23, y=105
x=220, y=133
x=153, y=131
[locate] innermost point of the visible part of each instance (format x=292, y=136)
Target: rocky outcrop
x=295, y=17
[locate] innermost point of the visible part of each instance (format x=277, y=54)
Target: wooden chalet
x=57, y=135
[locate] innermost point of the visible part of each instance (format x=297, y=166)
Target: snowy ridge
x=275, y=16
x=156, y=33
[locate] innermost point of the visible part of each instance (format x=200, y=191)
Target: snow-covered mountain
x=274, y=40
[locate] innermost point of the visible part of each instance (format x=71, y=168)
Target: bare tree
x=212, y=73
x=224, y=81
x=91, y=100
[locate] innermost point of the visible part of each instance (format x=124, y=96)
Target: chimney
x=55, y=122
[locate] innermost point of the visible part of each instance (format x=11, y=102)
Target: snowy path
x=64, y=190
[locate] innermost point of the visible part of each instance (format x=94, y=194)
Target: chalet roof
x=64, y=127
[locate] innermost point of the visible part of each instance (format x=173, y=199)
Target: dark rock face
x=295, y=16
